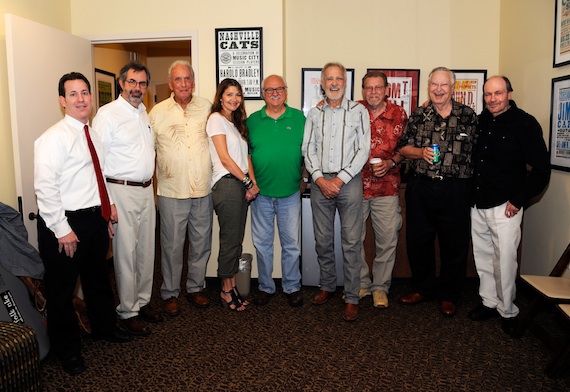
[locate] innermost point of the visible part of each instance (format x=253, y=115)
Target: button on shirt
x=454, y=135
x=183, y=163
x=128, y=141
x=336, y=140
x=64, y=177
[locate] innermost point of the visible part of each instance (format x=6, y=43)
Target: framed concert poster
x=469, y=88
x=403, y=87
x=561, y=33
x=239, y=56
x=560, y=124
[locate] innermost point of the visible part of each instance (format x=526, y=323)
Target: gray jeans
x=349, y=206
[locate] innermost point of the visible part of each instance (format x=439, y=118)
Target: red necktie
x=105, y=204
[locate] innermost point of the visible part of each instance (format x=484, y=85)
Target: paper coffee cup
x=375, y=161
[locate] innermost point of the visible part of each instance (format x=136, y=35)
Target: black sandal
x=242, y=301
x=235, y=304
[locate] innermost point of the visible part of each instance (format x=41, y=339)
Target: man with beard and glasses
x=336, y=144
x=128, y=145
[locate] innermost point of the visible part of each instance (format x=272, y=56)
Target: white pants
x=133, y=246
x=496, y=239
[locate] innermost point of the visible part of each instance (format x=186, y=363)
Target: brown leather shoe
x=322, y=297
x=198, y=299
x=350, y=312
x=412, y=299
x=447, y=308
x=171, y=306
x=150, y=315
x=136, y=326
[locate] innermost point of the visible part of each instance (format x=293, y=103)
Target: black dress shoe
x=262, y=298
x=150, y=315
x=481, y=313
x=73, y=365
x=295, y=299
x=509, y=325
x=118, y=336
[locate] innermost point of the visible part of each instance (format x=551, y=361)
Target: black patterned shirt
x=454, y=135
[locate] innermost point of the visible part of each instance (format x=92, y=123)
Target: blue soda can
x=436, y=152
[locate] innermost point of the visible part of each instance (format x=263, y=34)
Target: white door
x=37, y=56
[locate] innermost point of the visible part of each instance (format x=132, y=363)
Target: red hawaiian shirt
x=385, y=133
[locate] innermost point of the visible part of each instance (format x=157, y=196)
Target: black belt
x=131, y=183
x=84, y=211
x=439, y=178
x=229, y=175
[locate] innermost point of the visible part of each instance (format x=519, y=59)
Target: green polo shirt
x=275, y=148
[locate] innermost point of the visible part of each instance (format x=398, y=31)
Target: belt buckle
x=438, y=177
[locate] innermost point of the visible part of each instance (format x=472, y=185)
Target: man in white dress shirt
x=73, y=228
x=128, y=145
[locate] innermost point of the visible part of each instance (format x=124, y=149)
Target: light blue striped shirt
x=336, y=140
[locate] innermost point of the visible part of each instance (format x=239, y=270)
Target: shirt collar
x=126, y=104
x=75, y=123
x=287, y=112
x=343, y=104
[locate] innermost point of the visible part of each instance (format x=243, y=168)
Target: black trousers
x=438, y=208
x=61, y=272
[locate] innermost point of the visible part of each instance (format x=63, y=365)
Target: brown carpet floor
x=278, y=348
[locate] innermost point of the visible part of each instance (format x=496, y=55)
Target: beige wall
x=486, y=34
x=54, y=13
x=417, y=34
x=527, y=35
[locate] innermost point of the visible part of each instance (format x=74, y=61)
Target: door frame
x=120, y=38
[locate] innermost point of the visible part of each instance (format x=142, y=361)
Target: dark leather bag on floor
x=17, y=307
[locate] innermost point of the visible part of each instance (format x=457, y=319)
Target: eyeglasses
x=374, y=88
x=278, y=90
x=133, y=83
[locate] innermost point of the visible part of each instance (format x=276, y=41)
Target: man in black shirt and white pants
x=507, y=140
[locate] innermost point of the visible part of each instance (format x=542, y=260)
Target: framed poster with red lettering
x=239, y=56
x=403, y=85
x=469, y=88
x=312, y=92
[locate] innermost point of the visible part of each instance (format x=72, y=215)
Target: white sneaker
x=380, y=299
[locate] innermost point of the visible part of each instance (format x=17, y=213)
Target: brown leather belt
x=131, y=183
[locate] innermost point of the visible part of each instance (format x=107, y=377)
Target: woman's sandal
x=235, y=304
x=242, y=301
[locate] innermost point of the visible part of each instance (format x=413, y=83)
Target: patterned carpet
x=278, y=348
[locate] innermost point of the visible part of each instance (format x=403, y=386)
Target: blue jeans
x=263, y=212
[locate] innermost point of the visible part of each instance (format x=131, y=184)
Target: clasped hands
x=329, y=188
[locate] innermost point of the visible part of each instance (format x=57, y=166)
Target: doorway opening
x=156, y=55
